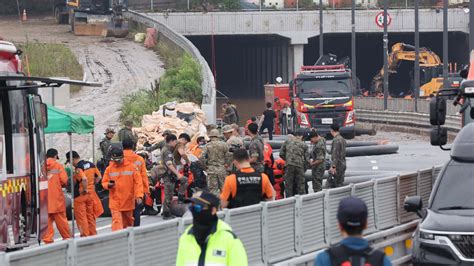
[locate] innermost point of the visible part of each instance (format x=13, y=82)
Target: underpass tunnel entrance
x=244, y=63
x=369, y=53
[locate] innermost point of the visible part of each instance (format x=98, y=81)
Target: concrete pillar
x=290, y=63
x=298, y=56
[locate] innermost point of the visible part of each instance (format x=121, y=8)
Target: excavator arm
x=404, y=52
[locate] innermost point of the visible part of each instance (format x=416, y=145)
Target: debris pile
x=180, y=118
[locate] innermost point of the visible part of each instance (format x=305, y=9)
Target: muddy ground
x=122, y=66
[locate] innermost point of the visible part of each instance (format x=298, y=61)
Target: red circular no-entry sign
x=379, y=19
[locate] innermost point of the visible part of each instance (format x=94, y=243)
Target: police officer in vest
x=247, y=186
x=353, y=250
x=209, y=240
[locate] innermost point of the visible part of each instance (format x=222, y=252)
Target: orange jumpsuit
x=94, y=208
x=83, y=204
x=128, y=187
x=140, y=164
x=57, y=178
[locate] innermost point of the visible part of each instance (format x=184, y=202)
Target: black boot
x=167, y=216
x=150, y=211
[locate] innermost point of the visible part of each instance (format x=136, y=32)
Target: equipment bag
x=343, y=256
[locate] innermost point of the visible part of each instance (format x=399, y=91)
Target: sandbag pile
x=178, y=117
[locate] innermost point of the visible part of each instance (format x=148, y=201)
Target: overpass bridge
x=253, y=48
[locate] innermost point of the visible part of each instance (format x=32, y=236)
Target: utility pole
x=321, y=33
x=353, y=47
x=385, y=55
x=445, y=44
x=471, y=26
x=416, y=81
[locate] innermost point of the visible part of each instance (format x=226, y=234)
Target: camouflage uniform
x=234, y=143
x=214, y=157
x=256, y=150
x=318, y=153
x=230, y=116
x=295, y=153
x=170, y=179
x=126, y=133
x=104, y=148
x=338, y=159
x=160, y=145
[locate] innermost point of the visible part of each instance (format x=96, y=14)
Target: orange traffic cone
x=24, y=18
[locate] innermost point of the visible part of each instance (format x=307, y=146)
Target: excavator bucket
x=118, y=30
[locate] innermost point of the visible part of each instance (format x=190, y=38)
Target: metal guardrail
x=410, y=119
x=272, y=232
x=208, y=84
x=399, y=105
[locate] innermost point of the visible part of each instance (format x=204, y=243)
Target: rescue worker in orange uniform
x=57, y=178
x=196, y=149
x=140, y=164
x=279, y=172
x=125, y=184
x=83, y=203
x=94, y=206
x=268, y=161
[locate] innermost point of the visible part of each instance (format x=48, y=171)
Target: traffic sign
x=379, y=19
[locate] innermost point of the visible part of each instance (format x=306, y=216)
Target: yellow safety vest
x=223, y=248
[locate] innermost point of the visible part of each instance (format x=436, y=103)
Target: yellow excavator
x=431, y=68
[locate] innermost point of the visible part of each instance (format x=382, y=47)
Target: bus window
x=20, y=133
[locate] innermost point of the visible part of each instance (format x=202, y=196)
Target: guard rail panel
x=419, y=120
x=331, y=204
x=408, y=187
x=53, y=254
x=399, y=105
x=311, y=222
x=365, y=192
x=386, y=202
x=108, y=249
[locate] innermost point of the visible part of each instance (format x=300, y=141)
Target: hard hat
x=109, y=130
x=214, y=133
x=227, y=129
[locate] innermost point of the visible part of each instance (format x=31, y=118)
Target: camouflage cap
x=109, y=130
x=166, y=133
x=235, y=142
x=214, y=133
x=227, y=129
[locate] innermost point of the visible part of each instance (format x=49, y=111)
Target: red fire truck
x=23, y=179
x=319, y=96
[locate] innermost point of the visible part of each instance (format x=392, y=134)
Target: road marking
x=373, y=161
x=375, y=167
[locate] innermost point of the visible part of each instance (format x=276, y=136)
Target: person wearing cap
x=256, y=149
x=171, y=176
x=338, y=158
x=87, y=205
x=57, y=179
x=127, y=133
x=139, y=163
x=295, y=153
x=215, y=158
x=160, y=145
x=231, y=133
x=228, y=113
x=83, y=203
x=245, y=187
x=197, y=148
x=317, y=157
x=106, y=142
x=125, y=184
x=209, y=240
x=353, y=249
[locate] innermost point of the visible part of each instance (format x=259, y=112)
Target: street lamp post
x=321, y=33
x=445, y=44
x=416, y=81
x=353, y=47
x=385, y=55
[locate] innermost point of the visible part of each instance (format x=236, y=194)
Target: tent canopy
x=60, y=121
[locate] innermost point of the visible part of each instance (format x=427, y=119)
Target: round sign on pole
x=379, y=19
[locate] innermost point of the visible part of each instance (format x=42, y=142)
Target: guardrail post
x=376, y=205
x=227, y=216
x=298, y=225
x=264, y=233
x=353, y=190
x=398, y=199
x=71, y=252
x=418, y=183
x=131, y=246
x=433, y=177
x=326, y=217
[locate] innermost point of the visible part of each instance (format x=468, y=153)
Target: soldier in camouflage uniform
x=256, y=149
x=127, y=133
x=234, y=143
x=215, y=159
x=338, y=158
x=295, y=153
x=171, y=176
x=317, y=158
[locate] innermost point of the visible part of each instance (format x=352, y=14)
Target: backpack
x=343, y=256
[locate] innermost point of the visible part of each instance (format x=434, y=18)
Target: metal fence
x=400, y=105
x=208, y=83
x=271, y=231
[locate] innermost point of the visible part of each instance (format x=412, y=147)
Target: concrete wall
x=301, y=25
